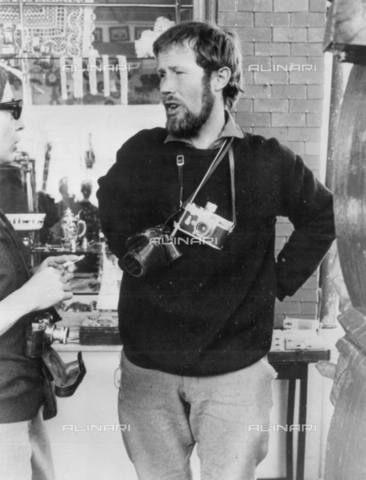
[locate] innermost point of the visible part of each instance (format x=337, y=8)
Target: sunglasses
x=14, y=107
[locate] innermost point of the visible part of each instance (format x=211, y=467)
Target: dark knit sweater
x=211, y=311
x=21, y=378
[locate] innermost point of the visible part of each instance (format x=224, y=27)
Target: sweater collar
x=230, y=129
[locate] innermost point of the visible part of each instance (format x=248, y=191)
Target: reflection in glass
x=88, y=54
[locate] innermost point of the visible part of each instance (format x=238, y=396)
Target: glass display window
x=80, y=52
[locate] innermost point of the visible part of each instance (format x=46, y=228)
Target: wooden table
x=292, y=366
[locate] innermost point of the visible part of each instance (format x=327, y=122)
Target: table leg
x=289, y=433
x=302, y=422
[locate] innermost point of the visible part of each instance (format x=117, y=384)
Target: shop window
x=67, y=53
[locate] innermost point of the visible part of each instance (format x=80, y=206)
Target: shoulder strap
x=215, y=163
x=232, y=184
x=226, y=147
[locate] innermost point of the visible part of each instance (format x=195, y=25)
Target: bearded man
x=190, y=211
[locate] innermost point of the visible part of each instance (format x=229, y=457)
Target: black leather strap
x=214, y=164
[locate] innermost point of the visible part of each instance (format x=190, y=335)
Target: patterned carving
x=57, y=30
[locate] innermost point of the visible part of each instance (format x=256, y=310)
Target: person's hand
x=59, y=262
x=48, y=286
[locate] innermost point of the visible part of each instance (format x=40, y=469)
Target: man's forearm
x=309, y=207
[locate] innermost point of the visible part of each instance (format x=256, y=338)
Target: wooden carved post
x=346, y=448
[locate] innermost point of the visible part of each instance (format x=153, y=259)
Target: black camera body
x=203, y=224
x=65, y=377
x=156, y=247
x=149, y=250
x=42, y=332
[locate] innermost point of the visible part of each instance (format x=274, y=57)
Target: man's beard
x=189, y=125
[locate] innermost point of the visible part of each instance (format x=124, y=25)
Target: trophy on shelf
x=73, y=230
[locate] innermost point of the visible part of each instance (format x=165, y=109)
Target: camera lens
x=131, y=265
x=202, y=229
x=57, y=334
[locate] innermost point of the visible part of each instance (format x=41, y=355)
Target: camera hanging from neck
x=156, y=247
x=224, y=149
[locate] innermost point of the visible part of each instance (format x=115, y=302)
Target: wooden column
x=346, y=448
x=350, y=186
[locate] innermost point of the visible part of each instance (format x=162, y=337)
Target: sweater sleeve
x=309, y=206
x=13, y=270
x=6, y=283
x=121, y=196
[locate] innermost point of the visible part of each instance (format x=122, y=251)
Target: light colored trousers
x=25, y=452
x=169, y=414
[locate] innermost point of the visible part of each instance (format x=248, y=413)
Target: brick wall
x=281, y=42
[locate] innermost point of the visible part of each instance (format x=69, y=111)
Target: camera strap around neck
x=225, y=147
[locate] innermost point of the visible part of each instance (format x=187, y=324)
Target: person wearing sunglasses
x=10, y=126
x=24, y=447
x=13, y=198
x=14, y=107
